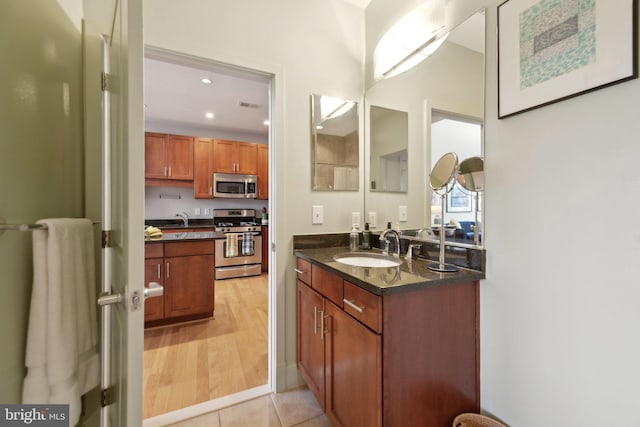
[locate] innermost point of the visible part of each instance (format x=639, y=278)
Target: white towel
x=232, y=245
x=62, y=358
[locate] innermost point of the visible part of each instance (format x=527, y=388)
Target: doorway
x=227, y=357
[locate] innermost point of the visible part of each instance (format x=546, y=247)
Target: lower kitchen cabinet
x=186, y=270
x=409, y=358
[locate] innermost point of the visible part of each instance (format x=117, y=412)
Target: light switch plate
x=197, y=211
x=402, y=213
x=317, y=214
x=206, y=211
x=355, y=219
x=373, y=219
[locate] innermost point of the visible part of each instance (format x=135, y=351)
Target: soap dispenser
x=354, y=238
x=366, y=237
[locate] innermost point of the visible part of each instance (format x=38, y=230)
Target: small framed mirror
x=334, y=144
x=389, y=140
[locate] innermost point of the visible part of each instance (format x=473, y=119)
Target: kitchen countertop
x=192, y=235
x=383, y=281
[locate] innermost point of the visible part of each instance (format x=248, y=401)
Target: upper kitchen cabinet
x=263, y=172
x=235, y=157
x=203, y=165
x=168, y=157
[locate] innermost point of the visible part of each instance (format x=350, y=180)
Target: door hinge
x=106, y=396
x=105, y=79
x=106, y=238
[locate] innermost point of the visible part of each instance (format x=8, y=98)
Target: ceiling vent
x=248, y=105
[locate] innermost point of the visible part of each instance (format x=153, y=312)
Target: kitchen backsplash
x=166, y=202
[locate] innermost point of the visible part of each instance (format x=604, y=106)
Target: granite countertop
x=192, y=235
x=178, y=223
x=383, y=281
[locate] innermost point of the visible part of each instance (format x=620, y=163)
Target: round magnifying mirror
x=471, y=174
x=443, y=173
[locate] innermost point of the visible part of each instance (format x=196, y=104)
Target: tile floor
x=296, y=407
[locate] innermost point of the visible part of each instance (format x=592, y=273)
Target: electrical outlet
x=197, y=211
x=317, y=214
x=373, y=218
x=402, y=213
x=355, y=219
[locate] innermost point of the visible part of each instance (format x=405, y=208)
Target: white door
x=115, y=27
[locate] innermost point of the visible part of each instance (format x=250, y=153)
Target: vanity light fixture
x=206, y=81
x=330, y=107
x=209, y=115
x=410, y=40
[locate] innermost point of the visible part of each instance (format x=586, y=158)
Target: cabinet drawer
x=328, y=284
x=203, y=247
x=153, y=250
x=363, y=305
x=303, y=271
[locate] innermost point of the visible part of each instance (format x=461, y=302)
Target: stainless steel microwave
x=233, y=186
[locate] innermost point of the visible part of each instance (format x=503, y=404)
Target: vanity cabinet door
x=353, y=371
x=310, y=340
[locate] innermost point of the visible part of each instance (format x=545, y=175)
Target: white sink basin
x=365, y=259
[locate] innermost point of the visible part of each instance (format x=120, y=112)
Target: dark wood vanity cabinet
x=409, y=358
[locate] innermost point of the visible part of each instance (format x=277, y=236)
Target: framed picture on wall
x=552, y=50
x=458, y=200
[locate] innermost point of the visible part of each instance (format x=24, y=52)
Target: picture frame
x=550, y=51
x=458, y=200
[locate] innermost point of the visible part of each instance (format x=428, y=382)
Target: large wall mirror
x=388, y=149
x=334, y=144
x=440, y=96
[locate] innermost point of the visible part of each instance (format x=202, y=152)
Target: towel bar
x=23, y=227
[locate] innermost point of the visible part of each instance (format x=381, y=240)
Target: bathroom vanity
x=391, y=346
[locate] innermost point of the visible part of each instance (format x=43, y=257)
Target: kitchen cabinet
x=203, y=168
x=168, y=157
x=263, y=172
x=153, y=272
x=408, y=358
x=187, y=269
x=235, y=157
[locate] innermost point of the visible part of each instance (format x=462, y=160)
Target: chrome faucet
x=185, y=218
x=412, y=246
x=385, y=239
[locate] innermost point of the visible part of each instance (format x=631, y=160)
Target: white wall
x=559, y=307
x=312, y=46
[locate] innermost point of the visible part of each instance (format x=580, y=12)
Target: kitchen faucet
x=385, y=239
x=185, y=218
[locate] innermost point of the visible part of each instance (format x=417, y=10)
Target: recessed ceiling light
x=319, y=127
x=209, y=115
x=206, y=81
x=266, y=123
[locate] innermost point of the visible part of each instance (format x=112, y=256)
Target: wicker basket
x=475, y=420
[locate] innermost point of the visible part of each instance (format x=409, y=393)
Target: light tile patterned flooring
x=296, y=407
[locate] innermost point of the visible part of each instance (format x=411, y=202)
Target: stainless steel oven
x=234, y=186
x=239, y=253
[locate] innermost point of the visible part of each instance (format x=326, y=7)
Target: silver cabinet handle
x=159, y=271
x=168, y=271
x=155, y=289
x=321, y=324
x=164, y=172
x=315, y=320
x=352, y=305
x=169, y=171
x=297, y=270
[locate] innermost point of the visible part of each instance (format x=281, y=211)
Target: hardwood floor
x=196, y=362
